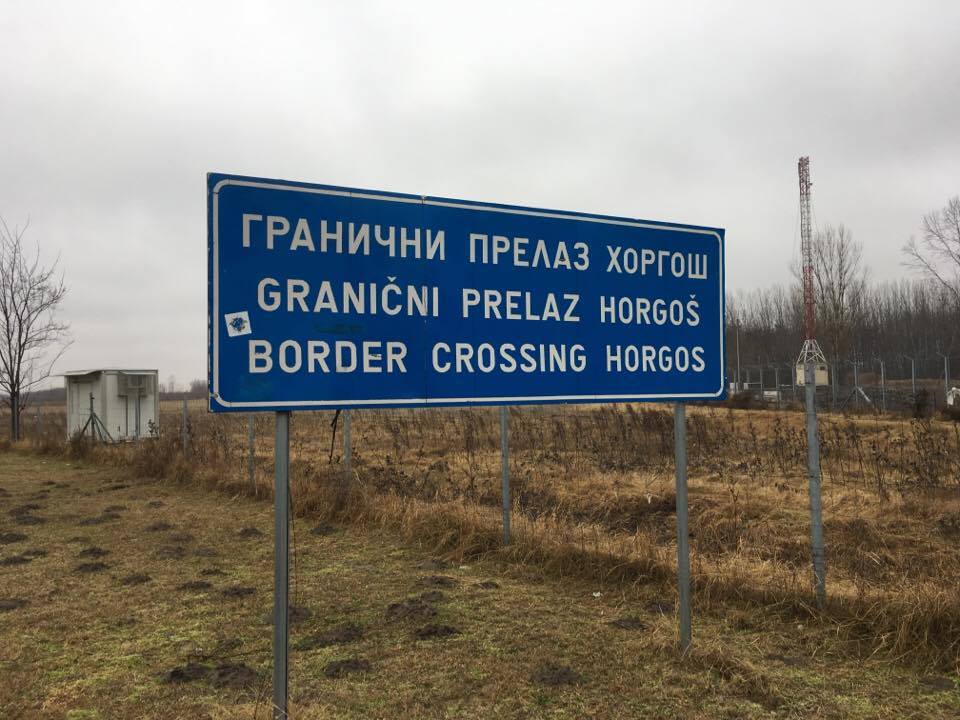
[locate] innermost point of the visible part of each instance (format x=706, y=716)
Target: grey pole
x=136, y=425
x=813, y=468
x=883, y=387
x=776, y=381
x=347, y=451
x=833, y=386
x=946, y=376
x=251, y=452
x=913, y=376
x=281, y=566
x=505, y=469
x=183, y=426
x=683, y=531
x=739, y=376
x=856, y=384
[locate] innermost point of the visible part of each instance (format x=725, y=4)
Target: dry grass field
x=419, y=520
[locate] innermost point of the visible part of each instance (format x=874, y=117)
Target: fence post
x=813, y=469
x=776, y=381
x=913, y=377
x=683, y=531
x=946, y=376
x=505, y=470
x=184, y=435
x=251, y=452
x=833, y=387
x=136, y=425
x=883, y=387
x=281, y=566
x=347, y=450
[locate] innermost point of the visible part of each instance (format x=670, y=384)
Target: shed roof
x=122, y=371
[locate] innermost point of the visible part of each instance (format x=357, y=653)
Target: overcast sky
x=112, y=113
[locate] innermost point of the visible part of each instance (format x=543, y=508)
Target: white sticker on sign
x=238, y=323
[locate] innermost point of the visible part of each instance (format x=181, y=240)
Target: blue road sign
x=327, y=297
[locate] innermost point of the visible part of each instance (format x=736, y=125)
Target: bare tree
x=937, y=254
x=841, y=280
x=840, y=286
x=32, y=338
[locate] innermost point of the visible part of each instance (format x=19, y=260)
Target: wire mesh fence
x=592, y=489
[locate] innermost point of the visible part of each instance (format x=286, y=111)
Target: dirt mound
x=250, y=532
x=91, y=567
x=238, y=591
x=410, y=609
x=433, y=596
x=434, y=630
x=205, y=552
x=191, y=672
x=8, y=604
x=114, y=508
x=628, y=623
x=28, y=520
x=15, y=560
x=11, y=537
x=195, y=586
x=488, y=585
x=181, y=538
x=158, y=527
x=340, y=668
x=104, y=517
x=553, y=675
x=156, y=504
x=171, y=552
x=212, y=572
x=25, y=509
x=136, y=579
x=93, y=552
x=34, y=553
x=235, y=676
x=323, y=529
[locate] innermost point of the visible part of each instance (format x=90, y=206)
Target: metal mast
x=811, y=349
x=806, y=246
x=810, y=361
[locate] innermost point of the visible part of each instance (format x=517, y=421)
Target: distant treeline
x=868, y=322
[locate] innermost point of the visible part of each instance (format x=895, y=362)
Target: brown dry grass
x=593, y=500
x=87, y=646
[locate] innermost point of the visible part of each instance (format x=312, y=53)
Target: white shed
x=125, y=402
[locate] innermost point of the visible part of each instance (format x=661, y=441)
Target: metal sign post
x=683, y=531
x=813, y=470
x=281, y=563
x=505, y=469
x=252, y=453
x=347, y=451
x=184, y=435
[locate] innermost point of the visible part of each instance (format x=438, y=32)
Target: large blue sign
x=324, y=297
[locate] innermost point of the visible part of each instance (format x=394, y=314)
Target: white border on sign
x=446, y=400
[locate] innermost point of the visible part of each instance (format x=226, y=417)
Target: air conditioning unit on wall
x=135, y=385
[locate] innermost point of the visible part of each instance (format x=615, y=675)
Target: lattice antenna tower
x=811, y=348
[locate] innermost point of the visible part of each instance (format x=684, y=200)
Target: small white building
x=953, y=397
x=124, y=402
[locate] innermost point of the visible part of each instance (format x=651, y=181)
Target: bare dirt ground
x=126, y=598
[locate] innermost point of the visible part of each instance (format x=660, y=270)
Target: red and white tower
x=811, y=351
